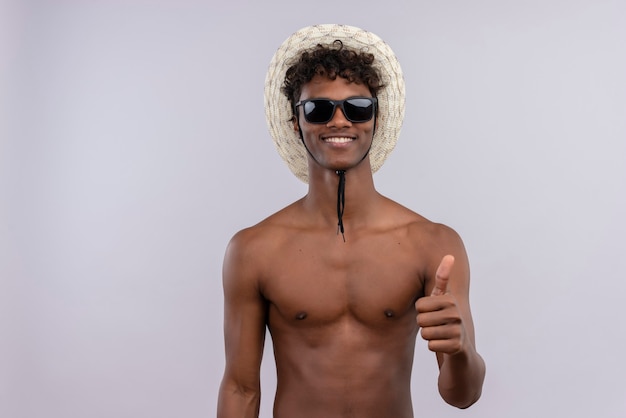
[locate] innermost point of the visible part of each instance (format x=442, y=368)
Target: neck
x=360, y=197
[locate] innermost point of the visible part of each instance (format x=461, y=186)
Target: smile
x=338, y=139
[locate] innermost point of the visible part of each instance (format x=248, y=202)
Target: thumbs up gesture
x=439, y=316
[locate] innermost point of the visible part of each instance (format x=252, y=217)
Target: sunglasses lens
x=318, y=111
x=359, y=109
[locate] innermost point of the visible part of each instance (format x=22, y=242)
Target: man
x=344, y=277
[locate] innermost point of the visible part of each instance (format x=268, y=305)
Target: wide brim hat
x=391, y=98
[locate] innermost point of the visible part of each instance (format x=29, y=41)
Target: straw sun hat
x=391, y=98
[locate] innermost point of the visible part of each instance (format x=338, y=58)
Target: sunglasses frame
x=340, y=104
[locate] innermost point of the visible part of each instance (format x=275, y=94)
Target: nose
x=339, y=119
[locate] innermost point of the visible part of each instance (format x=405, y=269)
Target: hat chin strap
x=341, y=201
x=341, y=188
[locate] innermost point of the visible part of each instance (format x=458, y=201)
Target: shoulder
x=245, y=260
x=254, y=243
x=429, y=236
x=436, y=240
x=416, y=224
x=434, y=233
x=430, y=242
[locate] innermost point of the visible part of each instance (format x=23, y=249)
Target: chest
x=372, y=282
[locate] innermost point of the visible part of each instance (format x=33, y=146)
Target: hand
x=438, y=314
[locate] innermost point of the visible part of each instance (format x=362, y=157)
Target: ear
x=296, y=125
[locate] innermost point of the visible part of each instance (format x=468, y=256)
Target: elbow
x=460, y=385
x=236, y=399
x=250, y=393
x=461, y=402
x=472, y=401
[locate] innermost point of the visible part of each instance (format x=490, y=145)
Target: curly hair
x=331, y=61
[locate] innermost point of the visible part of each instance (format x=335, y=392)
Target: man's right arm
x=244, y=331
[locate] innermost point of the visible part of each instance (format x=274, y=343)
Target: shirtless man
x=343, y=278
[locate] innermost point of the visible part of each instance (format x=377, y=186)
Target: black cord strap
x=341, y=201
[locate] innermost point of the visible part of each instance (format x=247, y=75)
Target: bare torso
x=344, y=316
x=341, y=314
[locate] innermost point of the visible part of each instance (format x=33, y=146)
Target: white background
x=134, y=145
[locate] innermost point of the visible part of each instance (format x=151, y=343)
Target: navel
x=301, y=315
x=389, y=313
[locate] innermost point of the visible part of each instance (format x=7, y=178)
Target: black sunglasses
x=355, y=109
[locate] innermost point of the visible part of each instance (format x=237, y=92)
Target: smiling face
x=338, y=144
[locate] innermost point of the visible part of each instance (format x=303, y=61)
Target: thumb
x=443, y=276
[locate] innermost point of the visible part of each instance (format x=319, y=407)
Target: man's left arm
x=446, y=322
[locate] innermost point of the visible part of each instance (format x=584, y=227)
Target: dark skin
x=344, y=316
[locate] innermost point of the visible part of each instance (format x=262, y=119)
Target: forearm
x=238, y=402
x=461, y=378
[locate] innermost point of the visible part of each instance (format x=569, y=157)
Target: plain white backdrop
x=133, y=146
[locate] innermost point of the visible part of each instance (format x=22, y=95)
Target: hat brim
x=391, y=99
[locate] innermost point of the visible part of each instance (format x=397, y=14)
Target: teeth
x=338, y=139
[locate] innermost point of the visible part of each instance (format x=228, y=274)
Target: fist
x=438, y=314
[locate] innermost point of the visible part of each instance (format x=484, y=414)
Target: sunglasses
x=355, y=109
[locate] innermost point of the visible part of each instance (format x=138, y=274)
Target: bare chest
x=317, y=285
